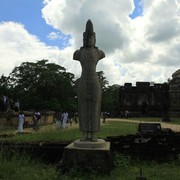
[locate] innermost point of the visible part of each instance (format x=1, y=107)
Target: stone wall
x=144, y=98
x=11, y=118
x=151, y=99
x=174, y=93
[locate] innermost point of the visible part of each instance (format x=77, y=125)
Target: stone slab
x=89, y=158
x=89, y=144
x=149, y=128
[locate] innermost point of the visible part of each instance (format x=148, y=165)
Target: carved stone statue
x=89, y=88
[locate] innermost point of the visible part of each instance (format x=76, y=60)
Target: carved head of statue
x=89, y=36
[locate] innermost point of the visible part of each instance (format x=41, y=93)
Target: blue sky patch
x=138, y=9
x=28, y=13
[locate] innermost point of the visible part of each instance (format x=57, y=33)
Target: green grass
x=175, y=120
x=52, y=134
x=7, y=130
x=116, y=128
x=24, y=167
x=127, y=169
x=49, y=135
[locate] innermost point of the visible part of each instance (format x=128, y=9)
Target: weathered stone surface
x=100, y=143
x=176, y=74
x=144, y=99
x=88, y=153
x=174, y=93
x=151, y=99
x=97, y=159
x=10, y=118
x=89, y=88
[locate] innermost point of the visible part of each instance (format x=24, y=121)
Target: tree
x=110, y=99
x=103, y=81
x=4, y=88
x=42, y=85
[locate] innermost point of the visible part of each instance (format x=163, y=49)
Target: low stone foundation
x=10, y=118
x=87, y=156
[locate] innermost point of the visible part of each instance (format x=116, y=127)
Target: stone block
x=88, y=157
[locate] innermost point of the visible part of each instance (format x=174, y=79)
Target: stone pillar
x=89, y=88
x=89, y=152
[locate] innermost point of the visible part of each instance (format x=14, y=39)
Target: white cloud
x=143, y=49
x=53, y=36
x=17, y=45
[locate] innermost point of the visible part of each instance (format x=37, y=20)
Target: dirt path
x=174, y=127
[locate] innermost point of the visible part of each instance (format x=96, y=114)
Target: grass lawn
x=21, y=166
x=50, y=133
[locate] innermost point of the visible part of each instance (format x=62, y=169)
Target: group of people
x=124, y=114
x=36, y=121
x=7, y=104
x=64, y=118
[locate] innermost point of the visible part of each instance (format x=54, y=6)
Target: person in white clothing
x=65, y=118
x=21, y=119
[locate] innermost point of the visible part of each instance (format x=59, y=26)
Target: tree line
x=48, y=86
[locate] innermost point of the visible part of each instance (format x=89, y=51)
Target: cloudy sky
x=140, y=38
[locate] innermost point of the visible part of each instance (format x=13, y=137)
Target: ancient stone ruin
x=89, y=88
x=146, y=99
x=89, y=152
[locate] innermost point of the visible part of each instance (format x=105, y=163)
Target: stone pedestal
x=87, y=155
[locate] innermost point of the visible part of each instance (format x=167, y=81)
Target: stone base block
x=87, y=156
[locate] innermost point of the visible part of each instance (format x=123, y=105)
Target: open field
x=112, y=127
x=175, y=125
x=51, y=133
x=22, y=166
